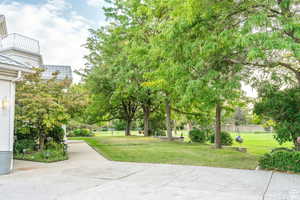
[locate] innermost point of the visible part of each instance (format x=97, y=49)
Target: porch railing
x=20, y=42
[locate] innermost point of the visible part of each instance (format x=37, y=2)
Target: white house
x=18, y=54
x=27, y=50
x=10, y=72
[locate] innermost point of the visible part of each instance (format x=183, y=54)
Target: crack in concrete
x=268, y=185
x=118, y=178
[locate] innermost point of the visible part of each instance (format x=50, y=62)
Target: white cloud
x=95, y=3
x=61, y=36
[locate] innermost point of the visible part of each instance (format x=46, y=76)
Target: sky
x=61, y=26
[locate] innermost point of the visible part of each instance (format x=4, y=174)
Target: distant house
x=64, y=72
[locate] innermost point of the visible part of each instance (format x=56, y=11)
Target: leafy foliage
x=272, y=38
x=282, y=106
x=281, y=160
x=24, y=145
x=198, y=136
x=225, y=138
x=39, y=107
x=57, y=153
x=81, y=133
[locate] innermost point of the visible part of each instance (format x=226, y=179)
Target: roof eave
x=15, y=68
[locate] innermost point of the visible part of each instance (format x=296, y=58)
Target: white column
x=7, y=103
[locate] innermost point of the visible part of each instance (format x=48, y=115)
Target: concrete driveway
x=89, y=176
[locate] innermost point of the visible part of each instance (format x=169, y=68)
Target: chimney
x=3, y=28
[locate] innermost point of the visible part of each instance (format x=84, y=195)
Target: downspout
x=11, y=140
x=18, y=77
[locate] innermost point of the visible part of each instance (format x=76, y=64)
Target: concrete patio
x=89, y=176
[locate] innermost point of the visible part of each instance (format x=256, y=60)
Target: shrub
x=104, y=128
x=86, y=132
x=54, y=146
x=160, y=132
x=27, y=144
x=49, y=155
x=81, y=133
x=57, y=134
x=77, y=132
x=197, y=135
x=119, y=125
x=226, y=138
x=281, y=161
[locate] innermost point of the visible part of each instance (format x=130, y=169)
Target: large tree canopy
x=271, y=39
x=190, y=55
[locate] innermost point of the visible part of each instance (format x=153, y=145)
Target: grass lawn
x=259, y=144
x=152, y=150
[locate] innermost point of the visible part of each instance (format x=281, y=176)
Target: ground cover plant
x=288, y=161
x=27, y=149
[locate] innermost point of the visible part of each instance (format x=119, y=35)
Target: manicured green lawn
x=256, y=143
x=259, y=144
x=152, y=150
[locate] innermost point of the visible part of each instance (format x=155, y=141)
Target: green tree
x=271, y=40
x=283, y=107
x=114, y=94
x=39, y=105
x=76, y=99
x=195, y=46
x=120, y=51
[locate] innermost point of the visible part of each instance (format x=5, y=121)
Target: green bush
x=119, y=125
x=197, y=135
x=27, y=144
x=160, y=132
x=226, y=138
x=57, y=134
x=54, y=146
x=86, y=132
x=49, y=155
x=281, y=161
x=81, y=133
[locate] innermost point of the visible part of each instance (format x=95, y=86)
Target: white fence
x=243, y=128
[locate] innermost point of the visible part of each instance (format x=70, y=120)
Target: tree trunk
x=146, y=121
x=298, y=78
x=168, y=120
x=128, y=127
x=175, y=127
x=218, y=141
x=190, y=126
x=297, y=145
x=41, y=142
